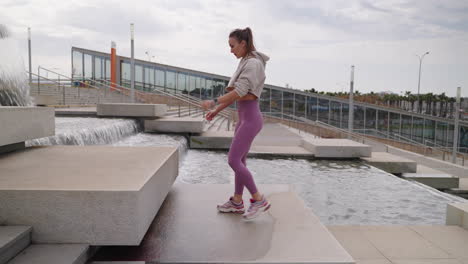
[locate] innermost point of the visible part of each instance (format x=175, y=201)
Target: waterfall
x=14, y=87
x=88, y=131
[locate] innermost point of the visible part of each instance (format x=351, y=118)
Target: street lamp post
x=29, y=54
x=456, y=127
x=132, y=66
x=419, y=78
x=351, y=102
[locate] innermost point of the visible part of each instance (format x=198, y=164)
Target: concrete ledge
x=13, y=239
x=391, y=163
x=434, y=178
x=336, y=148
x=97, y=195
x=44, y=100
x=259, y=151
x=132, y=110
x=53, y=254
x=288, y=233
x=12, y=147
x=175, y=125
x=23, y=123
x=212, y=140
x=457, y=214
x=79, y=111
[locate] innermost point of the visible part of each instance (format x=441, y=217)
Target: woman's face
x=237, y=48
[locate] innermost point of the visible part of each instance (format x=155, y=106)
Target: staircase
x=16, y=248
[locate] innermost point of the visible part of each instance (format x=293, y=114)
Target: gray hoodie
x=250, y=75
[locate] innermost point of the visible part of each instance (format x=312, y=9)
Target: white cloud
x=311, y=43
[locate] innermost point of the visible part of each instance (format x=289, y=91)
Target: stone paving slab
x=52, y=254
x=189, y=229
x=431, y=177
x=336, y=148
x=97, y=195
x=13, y=239
x=391, y=163
x=404, y=244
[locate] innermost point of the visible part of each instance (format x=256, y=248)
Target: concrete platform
x=188, y=229
x=175, y=125
x=280, y=152
x=131, y=110
x=391, y=163
x=97, y=195
x=13, y=239
x=431, y=177
x=76, y=111
x=53, y=254
x=212, y=140
x=44, y=99
x=457, y=214
x=404, y=244
x=23, y=123
x=336, y=148
x=274, y=134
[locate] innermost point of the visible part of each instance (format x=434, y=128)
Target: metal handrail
x=117, y=87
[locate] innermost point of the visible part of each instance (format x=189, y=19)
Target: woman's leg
x=239, y=186
x=240, y=146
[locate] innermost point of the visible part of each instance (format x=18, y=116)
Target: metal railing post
x=38, y=80
x=179, y=109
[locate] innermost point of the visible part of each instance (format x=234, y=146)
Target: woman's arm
x=224, y=100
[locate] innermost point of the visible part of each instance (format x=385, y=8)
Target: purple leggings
x=249, y=125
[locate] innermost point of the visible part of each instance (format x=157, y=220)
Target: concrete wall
x=22, y=123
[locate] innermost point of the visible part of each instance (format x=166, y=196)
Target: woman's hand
x=207, y=104
x=211, y=114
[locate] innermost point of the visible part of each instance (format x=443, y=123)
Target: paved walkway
x=404, y=244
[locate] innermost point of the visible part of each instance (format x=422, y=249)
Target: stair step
x=13, y=239
x=53, y=254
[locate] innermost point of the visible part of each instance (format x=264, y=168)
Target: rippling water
x=339, y=192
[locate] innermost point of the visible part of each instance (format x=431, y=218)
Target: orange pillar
x=113, y=65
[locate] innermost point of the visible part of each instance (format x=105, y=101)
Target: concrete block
x=44, y=99
x=78, y=111
x=391, y=163
x=97, y=195
x=131, y=110
x=13, y=239
x=336, y=148
x=53, y=254
x=457, y=214
x=288, y=233
x=23, y=123
x=175, y=125
x=212, y=140
x=431, y=177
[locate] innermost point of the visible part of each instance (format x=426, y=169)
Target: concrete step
x=13, y=239
x=53, y=254
x=431, y=177
x=404, y=244
x=189, y=229
x=391, y=163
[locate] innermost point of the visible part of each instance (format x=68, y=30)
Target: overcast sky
x=312, y=44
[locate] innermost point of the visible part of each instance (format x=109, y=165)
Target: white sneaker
x=231, y=207
x=256, y=208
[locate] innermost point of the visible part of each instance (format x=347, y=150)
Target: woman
x=245, y=86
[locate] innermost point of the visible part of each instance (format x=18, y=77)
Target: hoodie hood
x=261, y=56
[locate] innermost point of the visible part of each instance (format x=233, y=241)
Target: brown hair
x=246, y=35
